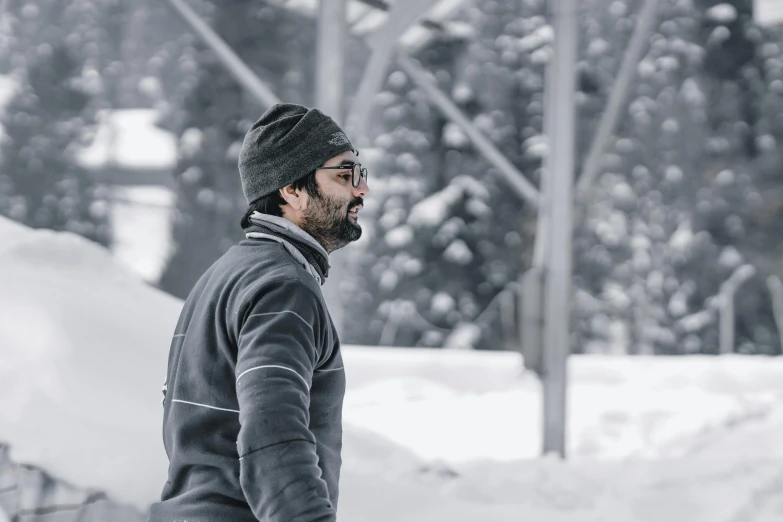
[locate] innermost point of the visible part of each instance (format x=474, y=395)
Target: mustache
x=356, y=201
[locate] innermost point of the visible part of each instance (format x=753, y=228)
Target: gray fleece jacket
x=253, y=399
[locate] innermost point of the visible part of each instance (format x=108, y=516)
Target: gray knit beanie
x=286, y=143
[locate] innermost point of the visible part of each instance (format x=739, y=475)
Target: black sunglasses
x=357, y=172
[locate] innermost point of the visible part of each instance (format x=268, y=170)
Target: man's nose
x=362, y=190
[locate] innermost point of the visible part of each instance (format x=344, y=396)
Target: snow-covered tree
x=449, y=234
x=667, y=224
x=212, y=122
x=44, y=124
x=683, y=200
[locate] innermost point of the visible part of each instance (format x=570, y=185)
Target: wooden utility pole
x=559, y=166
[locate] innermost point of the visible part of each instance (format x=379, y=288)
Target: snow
x=725, y=177
x=454, y=137
x=8, y=88
x=682, y=238
x=83, y=355
x=442, y=303
x=364, y=21
x=541, y=36
x=138, y=143
x=464, y=337
x=697, y=321
x=458, y=252
x=536, y=146
x=724, y=13
x=719, y=35
x=190, y=142
x=399, y=237
x=730, y=258
x=433, y=210
x=430, y=435
x=141, y=218
x=597, y=48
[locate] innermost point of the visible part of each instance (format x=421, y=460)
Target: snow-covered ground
x=429, y=435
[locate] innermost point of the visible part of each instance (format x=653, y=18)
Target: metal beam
x=611, y=116
x=560, y=168
x=371, y=83
x=330, y=91
x=727, y=320
x=534, y=280
x=776, y=292
x=542, y=227
x=238, y=69
x=506, y=169
x=531, y=319
x=382, y=42
x=330, y=58
x=382, y=5
x=402, y=15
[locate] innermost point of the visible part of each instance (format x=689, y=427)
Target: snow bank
x=429, y=435
x=83, y=347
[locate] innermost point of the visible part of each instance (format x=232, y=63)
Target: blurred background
x=120, y=124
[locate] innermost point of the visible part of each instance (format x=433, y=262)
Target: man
x=252, y=420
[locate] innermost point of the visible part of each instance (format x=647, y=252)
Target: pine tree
x=681, y=204
x=63, y=57
x=41, y=184
x=668, y=222
x=451, y=236
x=212, y=123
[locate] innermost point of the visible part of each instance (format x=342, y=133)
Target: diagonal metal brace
x=241, y=72
x=513, y=176
x=383, y=42
x=611, y=116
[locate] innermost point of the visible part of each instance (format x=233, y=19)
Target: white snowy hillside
x=435, y=436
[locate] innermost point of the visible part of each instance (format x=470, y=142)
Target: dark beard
x=326, y=219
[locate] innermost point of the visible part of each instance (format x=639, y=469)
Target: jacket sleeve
x=277, y=352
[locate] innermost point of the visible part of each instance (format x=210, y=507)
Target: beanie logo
x=338, y=139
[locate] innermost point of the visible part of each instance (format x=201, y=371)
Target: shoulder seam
x=319, y=303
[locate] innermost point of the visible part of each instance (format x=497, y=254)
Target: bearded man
x=252, y=421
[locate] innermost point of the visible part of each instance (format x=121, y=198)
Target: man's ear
x=294, y=197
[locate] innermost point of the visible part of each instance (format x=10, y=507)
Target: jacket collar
x=286, y=227
x=301, y=245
